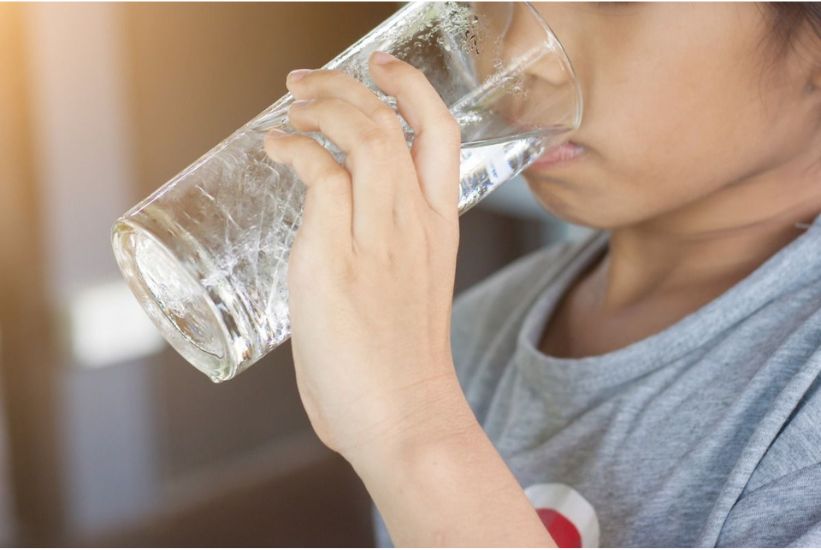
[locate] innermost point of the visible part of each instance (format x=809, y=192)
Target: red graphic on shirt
x=560, y=528
x=569, y=518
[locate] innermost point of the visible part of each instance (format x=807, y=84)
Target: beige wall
x=99, y=105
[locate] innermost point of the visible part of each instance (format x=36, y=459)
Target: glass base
x=179, y=306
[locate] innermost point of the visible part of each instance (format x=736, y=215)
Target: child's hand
x=372, y=268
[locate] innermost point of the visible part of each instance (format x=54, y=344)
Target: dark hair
x=787, y=19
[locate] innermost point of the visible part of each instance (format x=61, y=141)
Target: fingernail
x=296, y=74
x=380, y=58
x=299, y=103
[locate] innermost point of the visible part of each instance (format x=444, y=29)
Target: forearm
x=450, y=491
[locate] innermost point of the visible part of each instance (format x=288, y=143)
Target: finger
x=380, y=163
x=330, y=83
x=336, y=84
x=328, y=206
x=437, y=138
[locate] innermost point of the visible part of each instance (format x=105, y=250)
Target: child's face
x=677, y=105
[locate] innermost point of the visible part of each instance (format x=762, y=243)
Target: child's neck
x=715, y=241
x=657, y=271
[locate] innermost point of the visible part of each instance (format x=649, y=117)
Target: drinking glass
x=206, y=254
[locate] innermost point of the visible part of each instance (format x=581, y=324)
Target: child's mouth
x=558, y=155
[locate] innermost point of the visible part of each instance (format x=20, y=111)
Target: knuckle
x=332, y=176
x=379, y=251
x=374, y=139
x=387, y=256
x=386, y=117
x=450, y=129
x=335, y=103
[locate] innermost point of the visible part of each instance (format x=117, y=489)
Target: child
x=653, y=385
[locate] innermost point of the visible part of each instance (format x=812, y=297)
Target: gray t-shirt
x=707, y=433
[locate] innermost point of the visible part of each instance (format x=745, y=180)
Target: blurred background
x=107, y=436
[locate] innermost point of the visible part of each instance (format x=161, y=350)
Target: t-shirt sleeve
x=781, y=505
x=380, y=533
x=783, y=513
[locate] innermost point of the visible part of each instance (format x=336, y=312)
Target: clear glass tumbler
x=206, y=254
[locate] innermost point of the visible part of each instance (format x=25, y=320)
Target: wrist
x=440, y=418
x=444, y=484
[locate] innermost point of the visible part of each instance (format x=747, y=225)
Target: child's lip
x=559, y=155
